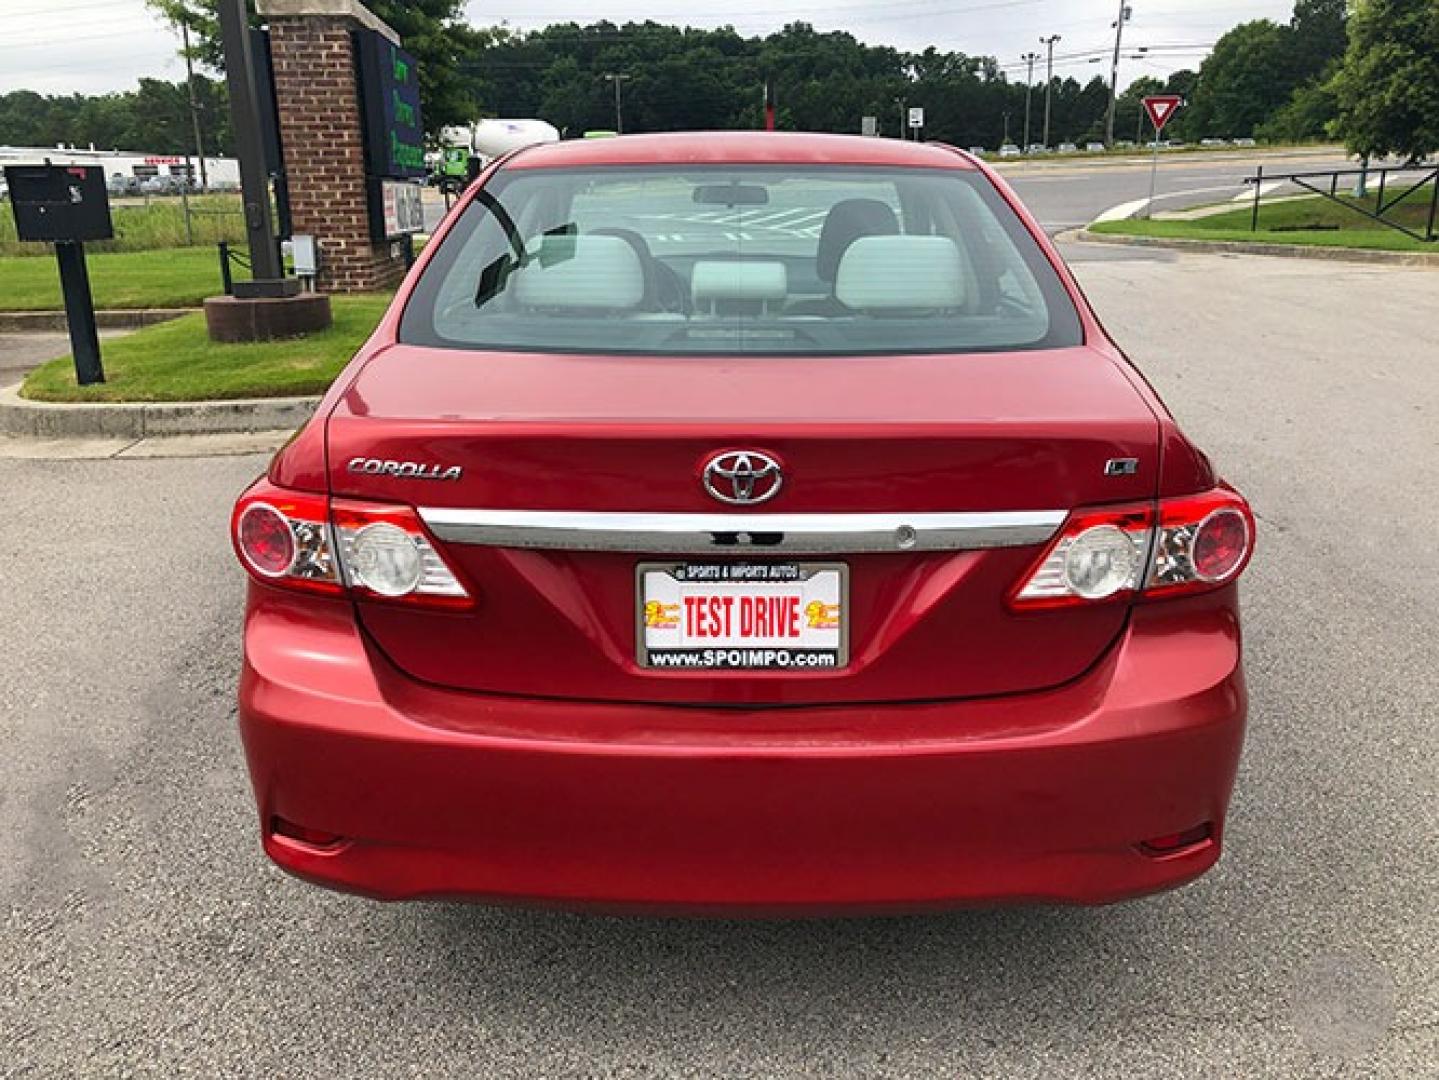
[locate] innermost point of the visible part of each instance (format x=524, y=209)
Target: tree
x=434, y=31
x=1244, y=81
x=154, y=117
x=1316, y=38
x=1388, y=86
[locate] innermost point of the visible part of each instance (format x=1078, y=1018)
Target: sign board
x=868, y=125
x=59, y=203
x=1161, y=109
x=400, y=210
x=390, y=107
x=916, y=117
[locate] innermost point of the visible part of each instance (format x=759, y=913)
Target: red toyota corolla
x=742, y=522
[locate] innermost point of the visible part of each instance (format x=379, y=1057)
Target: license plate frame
x=737, y=576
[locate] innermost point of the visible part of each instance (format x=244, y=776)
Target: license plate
x=743, y=616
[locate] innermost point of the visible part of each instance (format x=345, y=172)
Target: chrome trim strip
x=659, y=533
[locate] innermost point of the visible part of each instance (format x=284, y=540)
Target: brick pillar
x=317, y=96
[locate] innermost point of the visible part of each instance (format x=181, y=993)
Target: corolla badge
x=743, y=477
x=404, y=470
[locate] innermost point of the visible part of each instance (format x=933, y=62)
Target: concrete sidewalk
x=22, y=352
x=19, y=353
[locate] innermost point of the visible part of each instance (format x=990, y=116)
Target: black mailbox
x=59, y=203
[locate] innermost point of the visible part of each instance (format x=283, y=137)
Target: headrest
x=738, y=279
x=582, y=272
x=846, y=222
x=893, y=273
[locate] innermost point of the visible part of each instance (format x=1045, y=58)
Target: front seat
x=664, y=289
x=846, y=222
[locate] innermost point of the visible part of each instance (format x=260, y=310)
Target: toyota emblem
x=743, y=477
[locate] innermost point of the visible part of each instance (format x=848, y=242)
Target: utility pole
x=619, y=115
x=1124, y=12
x=194, y=105
x=1048, y=81
x=1029, y=58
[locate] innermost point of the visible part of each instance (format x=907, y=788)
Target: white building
x=221, y=172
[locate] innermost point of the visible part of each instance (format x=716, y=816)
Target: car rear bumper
x=1043, y=796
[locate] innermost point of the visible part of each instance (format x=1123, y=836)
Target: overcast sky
x=89, y=46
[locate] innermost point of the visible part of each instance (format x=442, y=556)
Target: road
x=1068, y=195
x=1065, y=194
x=145, y=933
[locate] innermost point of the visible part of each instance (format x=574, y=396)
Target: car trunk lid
x=930, y=483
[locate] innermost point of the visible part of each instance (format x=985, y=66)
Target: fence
x=1310, y=181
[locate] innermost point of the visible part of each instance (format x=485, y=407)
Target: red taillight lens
x=1184, y=545
x=1220, y=544
x=264, y=540
x=379, y=551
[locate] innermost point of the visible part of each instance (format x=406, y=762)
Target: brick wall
x=319, y=110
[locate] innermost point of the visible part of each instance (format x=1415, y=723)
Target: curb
x=139, y=420
x=33, y=322
x=1288, y=251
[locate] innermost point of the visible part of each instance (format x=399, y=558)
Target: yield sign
x=1161, y=107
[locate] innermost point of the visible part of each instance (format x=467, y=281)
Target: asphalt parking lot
x=144, y=933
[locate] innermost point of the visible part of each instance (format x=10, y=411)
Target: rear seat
x=738, y=286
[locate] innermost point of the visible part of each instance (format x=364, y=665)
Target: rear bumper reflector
x=559, y=530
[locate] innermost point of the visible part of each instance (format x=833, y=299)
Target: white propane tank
x=495, y=137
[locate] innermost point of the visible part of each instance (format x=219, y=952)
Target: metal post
x=1048, y=83
x=619, y=115
x=249, y=146
x=79, y=312
x=1258, y=189
x=1433, y=206
x=227, y=283
x=185, y=204
x=1379, y=203
x=1029, y=58
x=1114, y=74
x=194, y=106
x=1153, y=172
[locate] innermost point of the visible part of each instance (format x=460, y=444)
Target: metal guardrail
x=1381, y=206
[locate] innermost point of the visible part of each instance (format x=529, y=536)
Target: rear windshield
x=740, y=260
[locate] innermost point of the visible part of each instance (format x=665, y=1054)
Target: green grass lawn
x=1316, y=221
x=174, y=277
x=177, y=361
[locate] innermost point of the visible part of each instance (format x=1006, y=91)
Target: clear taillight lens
x=375, y=550
x=1183, y=545
x=1098, y=555
x=387, y=554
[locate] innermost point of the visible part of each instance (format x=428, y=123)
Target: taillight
x=1184, y=545
x=387, y=555
x=283, y=538
x=1203, y=541
x=375, y=550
